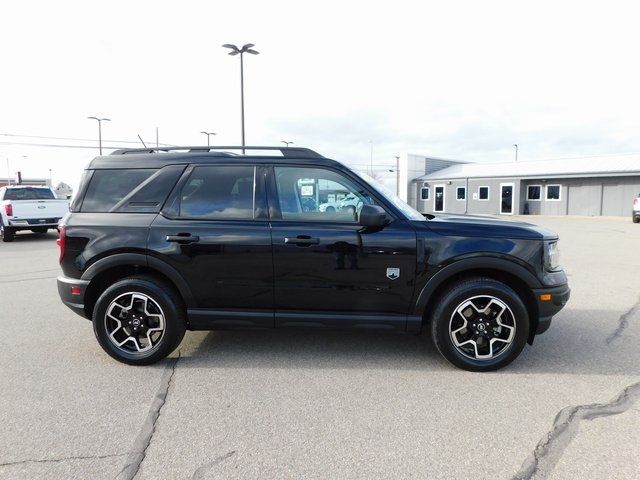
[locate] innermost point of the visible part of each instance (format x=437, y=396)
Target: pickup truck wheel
x=6, y=233
x=636, y=219
x=139, y=320
x=480, y=325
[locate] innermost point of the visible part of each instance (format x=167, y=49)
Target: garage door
x=584, y=199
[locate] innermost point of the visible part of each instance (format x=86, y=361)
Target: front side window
x=461, y=193
x=533, y=192
x=424, y=193
x=219, y=192
x=483, y=193
x=318, y=194
x=553, y=192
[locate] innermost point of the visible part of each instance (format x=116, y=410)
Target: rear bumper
x=29, y=223
x=548, y=308
x=71, y=291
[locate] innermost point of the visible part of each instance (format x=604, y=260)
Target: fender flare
x=475, y=263
x=120, y=259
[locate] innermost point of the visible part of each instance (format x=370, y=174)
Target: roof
x=560, y=168
x=160, y=157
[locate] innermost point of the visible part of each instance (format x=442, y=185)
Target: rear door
x=329, y=270
x=214, y=231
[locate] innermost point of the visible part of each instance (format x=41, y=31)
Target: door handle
x=302, y=240
x=183, y=238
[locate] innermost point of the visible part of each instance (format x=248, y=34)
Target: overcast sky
x=462, y=80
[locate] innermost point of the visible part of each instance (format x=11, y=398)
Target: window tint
x=317, y=194
x=108, y=187
x=219, y=192
x=28, y=193
x=461, y=193
x=424, y=193
x=483, y=193
x=553, y=192
x=533, y=192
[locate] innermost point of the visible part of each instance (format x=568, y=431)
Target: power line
x=71, y=138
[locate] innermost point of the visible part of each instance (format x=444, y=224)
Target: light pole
x=246, y=48
x=100, y=120
x=286, y=143
x=397, y=170
x=516, y=145
x=208, y=134
x=371, y=158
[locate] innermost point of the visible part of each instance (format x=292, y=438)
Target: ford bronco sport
x=199, y=238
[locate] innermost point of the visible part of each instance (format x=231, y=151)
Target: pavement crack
x=623, y=322
x=143, y=440
x=565, y=427
x=62, y=459
x=202, y=470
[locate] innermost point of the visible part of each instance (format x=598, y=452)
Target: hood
x=484, y=226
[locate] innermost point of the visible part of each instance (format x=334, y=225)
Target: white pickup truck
x=29, y=207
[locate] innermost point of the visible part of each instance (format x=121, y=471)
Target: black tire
x=157, y=291
x=443, y=322
x=636, y=219
x=7, y=233
x=39, y=230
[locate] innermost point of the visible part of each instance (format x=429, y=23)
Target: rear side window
x=28, y=193
x=109, y=187
x=221, y=192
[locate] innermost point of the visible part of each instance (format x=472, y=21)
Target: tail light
x=8, y=209
x=62, y=243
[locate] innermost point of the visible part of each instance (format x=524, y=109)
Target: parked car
x=29, y=207
x=163, y=241
x=635, y=216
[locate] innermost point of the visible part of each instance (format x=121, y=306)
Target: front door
x=506, y=198
x=439, y=198
x=329, y=270
x=215, y=233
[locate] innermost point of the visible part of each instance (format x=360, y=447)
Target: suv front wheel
x=139, y=320
x=480, y=325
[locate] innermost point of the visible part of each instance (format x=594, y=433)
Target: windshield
x=28, y=193
x=410, y=212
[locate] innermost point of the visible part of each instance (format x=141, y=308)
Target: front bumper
x=71, y=291
x=550, y=301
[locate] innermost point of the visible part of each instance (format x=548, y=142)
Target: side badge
x=393, y=273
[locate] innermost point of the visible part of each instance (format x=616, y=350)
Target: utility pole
x=398, y=175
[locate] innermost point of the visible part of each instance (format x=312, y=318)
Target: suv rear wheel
x=480, y=325
x=139, y=320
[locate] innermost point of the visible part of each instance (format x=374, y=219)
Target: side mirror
x=373, y=216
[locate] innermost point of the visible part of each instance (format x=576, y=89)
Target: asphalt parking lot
x=326, y=404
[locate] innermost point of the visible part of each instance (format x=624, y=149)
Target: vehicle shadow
x=26, y=236
x=575, y=344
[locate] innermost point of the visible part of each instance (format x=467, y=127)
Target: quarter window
x=483, y=193
x=317, y=194
x=219, y=192
x=108, y=187
x=534, y=192
x=424, y=193
x=461, y=193
x=553, y=192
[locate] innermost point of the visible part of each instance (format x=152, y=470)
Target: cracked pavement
x=326, y=404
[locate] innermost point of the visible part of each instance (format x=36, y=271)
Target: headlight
x=552, y=256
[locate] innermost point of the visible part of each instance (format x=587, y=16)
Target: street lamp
x=208, y=134
x=247, y=48
x=286, y=143
x=516, y=145
x=397, y=172
x=100, y=120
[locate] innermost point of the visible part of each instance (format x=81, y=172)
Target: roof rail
x=285, y=151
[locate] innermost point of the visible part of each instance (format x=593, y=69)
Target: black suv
x=197, y=238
